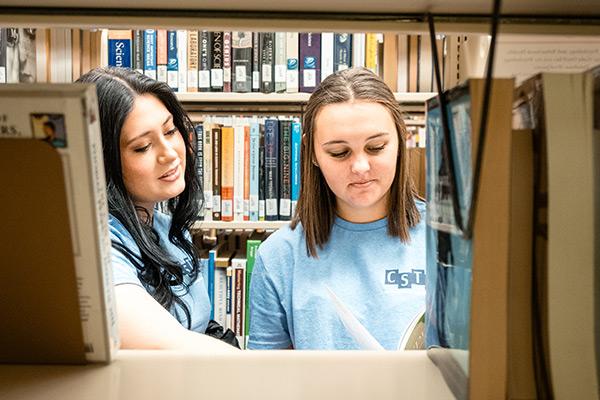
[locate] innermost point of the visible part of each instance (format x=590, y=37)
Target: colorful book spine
x=193, y=48
x=327, y=45
x=227, y=61
x=261, y=173
x=371, y=52
x=212, y=255
x=138, y=51
x=239, y=271
x=208, y=168
x=182, y=45
x=246, y=172
x=241, y=44
x=342, y=51
x=291, y=62
x=295, y=163
x=238, y=172
x=280, y=75
x=267, y=62
x=285, y=178
x=229, y=294
x=216, y=67
x=150, y=53
x=216, y=181
x=227, y=136
x=204, y=61
x=161, y=55
x=251, y=249
x=119, y=48
x=254, y=178
x=310, y=61
x=172, y=61
x=271, y=169
x=255, y=62
x=199, y=131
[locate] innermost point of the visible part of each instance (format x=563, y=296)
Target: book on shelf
x=562, y=109
x=196, y=78
x=137, y=58
x=227, y=61
x=203, y=63
x=256, y=57
x=327, y=53
x=161, y=55
x=3, y=45
x=217, y=62
x=472, y=300
x=285, y=169
x=64, y=312
x=150, y=53
x=241, y=45
x=342, y=51
x=119, y=47
x=280, y=62
x=291, y=45
x=182, y=61
x=310, y=61
x=271, y=169
x=267, y=61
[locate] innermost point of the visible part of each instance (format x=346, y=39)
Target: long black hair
x=117, y=89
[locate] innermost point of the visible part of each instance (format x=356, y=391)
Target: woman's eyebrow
x=343, y=141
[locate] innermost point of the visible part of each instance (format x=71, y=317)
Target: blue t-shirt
x=124, y=272
x=377, y=277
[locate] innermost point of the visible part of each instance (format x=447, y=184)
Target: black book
x=216, y=71
x=285, y=178
x=272, y=169
x=241, y=46
x=261, y=173
x=255, y=62
x=138, y=50
x=204, y=61
x=267, y=61
x=216, y=178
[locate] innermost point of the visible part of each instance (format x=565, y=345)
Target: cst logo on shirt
x=404, y=280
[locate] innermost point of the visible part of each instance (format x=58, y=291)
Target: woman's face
x=356, y=147
x=152, y=153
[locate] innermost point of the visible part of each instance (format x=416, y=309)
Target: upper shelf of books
x=212, y=97
x=522, y=16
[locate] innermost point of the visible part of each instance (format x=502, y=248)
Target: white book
x=238, y=265
x=73, y=112
x=291, y=45
x=182, y=44
x=326, y=54
x=238, y=171
x=358, y=49
x=220, y=306
x=41, y=55
x=280, y=61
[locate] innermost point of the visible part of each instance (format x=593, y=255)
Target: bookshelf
x=239, y=225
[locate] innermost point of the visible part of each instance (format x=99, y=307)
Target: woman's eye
x=340, y=154
x=142, y=149
x=376, y=149
x=171, y=132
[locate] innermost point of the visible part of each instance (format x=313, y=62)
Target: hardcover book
x=241, y=43
x=310, y=61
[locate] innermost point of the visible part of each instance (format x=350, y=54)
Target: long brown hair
x=317, y=203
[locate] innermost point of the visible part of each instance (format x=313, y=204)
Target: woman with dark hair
x=162, y=301
x=357, y=240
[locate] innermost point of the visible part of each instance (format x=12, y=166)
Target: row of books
x=249, y=167
x=228, y=259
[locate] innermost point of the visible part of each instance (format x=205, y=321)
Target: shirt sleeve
x=124, y=272
x=268, y=322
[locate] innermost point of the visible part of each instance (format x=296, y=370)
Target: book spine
x=216, y=182
x=216, y=68
x=119, y=48
x=310, y=61
x=254, y=180
x=295, y=164
x=227, y=173
x=208, y=168
x=3, y=44
x=239, y=270
x=342, y=51
x=241, y=43
x=371, y=52
x=246, y=172
x=261, y=173
x=182, y=45
x=280, y=74
x=255, y=62
x=172, y=62
x=204, y=62
x=292, y=62
x=138, y=51
x=150, y=53
x=161, y=55
x=326, y=54
x=271, y=169
x=267, y=61
x=358, y=50
x=251, y=249
x=227, y=61
x=193, y=48
x=229, y=295
x=212, y=255
x=285, y=181
x=199, y=131
x=238, y=172
x=221, y=295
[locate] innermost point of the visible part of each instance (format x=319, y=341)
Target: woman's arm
x=145, y=324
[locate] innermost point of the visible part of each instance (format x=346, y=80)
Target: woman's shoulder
x=283, y=241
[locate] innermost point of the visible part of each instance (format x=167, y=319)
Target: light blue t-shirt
x=377, y=277
x=124, y=272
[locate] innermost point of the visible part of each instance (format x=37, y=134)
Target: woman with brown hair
x=357, y=240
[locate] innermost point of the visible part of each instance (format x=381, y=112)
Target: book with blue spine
x=296, y=143
x=210, y=281
x=150, y=53
x=119, y=48
x=342, y=51
x=172, y=61
x=285, y=166
x=271, y=169
x=254, y=174
x=310, y=61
